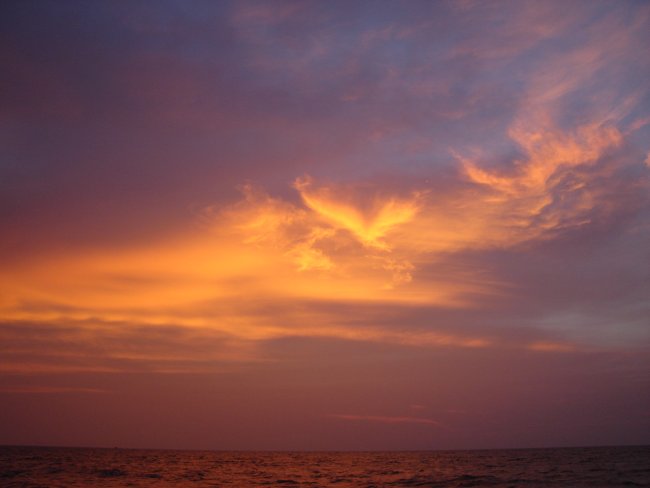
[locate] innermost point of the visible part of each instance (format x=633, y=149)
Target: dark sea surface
x=63, y=467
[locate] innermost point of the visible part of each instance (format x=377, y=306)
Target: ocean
x=571, y=467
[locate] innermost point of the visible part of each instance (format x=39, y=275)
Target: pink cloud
x=387, y=419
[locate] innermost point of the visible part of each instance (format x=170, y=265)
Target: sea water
x=75, y=467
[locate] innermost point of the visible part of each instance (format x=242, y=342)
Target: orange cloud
x=545, y=346
x=520, y=202
x=353, y=243
x=345, y=244
x=371, y=224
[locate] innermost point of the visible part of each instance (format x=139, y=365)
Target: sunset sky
x=324, y=225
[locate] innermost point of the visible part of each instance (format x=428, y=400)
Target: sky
x=324, y=225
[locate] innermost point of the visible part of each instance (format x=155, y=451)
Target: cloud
x=341, y=243
x=369, y=224
x=546, y=192
x=387, y=420
x=50, y=390
x=265, y=267
x=367, y=105
x=551, y=347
